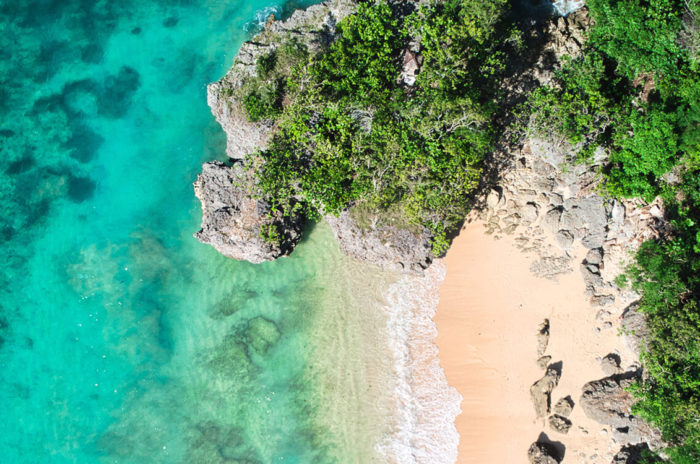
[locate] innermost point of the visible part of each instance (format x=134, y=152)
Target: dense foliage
x=634, y=92
x=352, y=133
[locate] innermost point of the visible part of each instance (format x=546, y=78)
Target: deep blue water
x=124, y=340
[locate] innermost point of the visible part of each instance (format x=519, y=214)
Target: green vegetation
x=263, y=96
x=634, y=92
x=352, y=134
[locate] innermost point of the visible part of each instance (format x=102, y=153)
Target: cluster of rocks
x=544, y=193
x=543, y=450
x=605, y=401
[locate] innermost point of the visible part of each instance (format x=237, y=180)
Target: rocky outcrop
x=542, y=453
x=385, y=245
x=542, y=192
x=225, y=227
x=232, y=217
x=312, y=26
x=607, y=402
x=541, y=391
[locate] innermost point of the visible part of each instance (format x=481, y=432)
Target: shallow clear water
x=124, y=340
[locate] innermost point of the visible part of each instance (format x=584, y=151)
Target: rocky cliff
x=232, y=217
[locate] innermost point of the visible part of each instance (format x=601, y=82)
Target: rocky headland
x=537, y=193
x=372, y=239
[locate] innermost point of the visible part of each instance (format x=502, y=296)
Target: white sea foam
x=565, y=7
x=261, y=16
x=424, y=430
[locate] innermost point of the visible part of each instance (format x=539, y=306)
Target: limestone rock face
x=542, y=453
x=232, y=218
x=387, y=246
x=606, y=402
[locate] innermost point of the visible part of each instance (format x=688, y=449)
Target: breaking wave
x=424, y=429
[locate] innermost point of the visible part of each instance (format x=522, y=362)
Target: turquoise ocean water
x=122, y=339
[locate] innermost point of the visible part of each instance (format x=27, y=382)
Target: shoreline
x=489, y=310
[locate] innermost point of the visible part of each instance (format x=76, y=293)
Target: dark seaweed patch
x=6, y=133
x=83, y=142
x=7, y=233
x=118, y=91
x=171, y=21
x=136, y=31
x=73, y=91
x=67, y=99
x=52, y=102
x=54, y=54
x=80, y=188
x=21, y=165
x=38, y=212
x=92, y=54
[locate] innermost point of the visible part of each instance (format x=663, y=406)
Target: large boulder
x=542, y=453
x=386, y=245
x=232, y=218
x=607, y=402
x=541, y=391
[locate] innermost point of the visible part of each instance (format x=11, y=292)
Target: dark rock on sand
x=542, y=453
x=564, y=407
x=543, y=361
x=541, y=391
x=559, y=423
x=542, y=337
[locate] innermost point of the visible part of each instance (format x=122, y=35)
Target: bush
x=353, y=134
